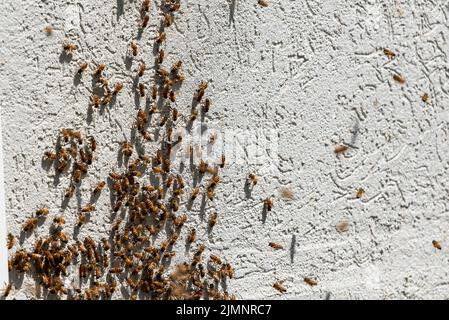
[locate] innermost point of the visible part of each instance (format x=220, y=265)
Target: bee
x=42, y=212
x=279, y=286
x=70, y=191
x=195, y=193
x=180, y=77
x=161, y=56
x=145, y=21
x=399, y=79
x=116, y=270
x=7, y=290
x=193, y=115
x=100, y=186
x=311, y=282
x=49, y=30
x=117, y=206
x=223, y=161
x=146, y=5
x=127, y=149
x=88, y=208
x=275, y=246
x=390, y=54
x=172, y=96
x=174, y=204
x=141, y=90
x=62, y=236
x=62, y=166
x=425, y=98
x=141, y=69
x=59, y=220
x=154, y=92
x=339, y=149
x=83, y=67
x=176, y=66
x=210, y=194
x=70, y=47
x=169, y=255
x=215, y=259
x=436, y=244
x=163, y=73
x=213, y=219
x=50, y=155
x=30, y=224
x=229, y=271
x=77, y=176
x=201, y=91
x=115, y=176
x=134, y=48
x=117, y=224
x=214, y=181
x=202, y=168
x=360, y=193
x=263, y=3
x=207, y=104
x=117, y=88
x=168, y=19
x=95, y=101
x=342, y=226
x=10, y=241
x=268, y=202
x=161, y=37
x=192, y=236
x=99, y=69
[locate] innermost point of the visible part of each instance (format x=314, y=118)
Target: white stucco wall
x=302, y=76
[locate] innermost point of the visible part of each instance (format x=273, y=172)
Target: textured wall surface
x=303, y=76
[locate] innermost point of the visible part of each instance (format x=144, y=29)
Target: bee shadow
x=64, y=57
x=292, y=248
x=120, y=9
x=203, y=207
x=77, y=79
x=264, y=214
x=248, y=190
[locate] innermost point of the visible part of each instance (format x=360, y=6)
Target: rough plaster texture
x=311, y=71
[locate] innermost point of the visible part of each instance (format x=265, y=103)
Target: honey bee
x=215, y=259
x=339, y=149
x=207, y=104
x=30, y=224
x=134, y=48
x=88, y=208
x=146, y=5
x=62, y=166
x=49, y=30
x=161, y=37
x=169, y=255
x=390, y=54
x=70, y=191
x=77, y=176
x=70, y=47
x=360, y=193
x=268, y=202
x=50, y=155
x=42, y=212
x=83, y=67
x=62, y=236
x=202, y=168
x=195, y=193
x=275, y=246
x=168, y=20
x=263, y=3
x=141, y=90
x=180, y=77
x=145, y=21
x=210, y=194
x=193, y=115
x=142, y=67
x=7, y=290
x=10, y=241
x=99, y=187
x=115, y=176
x=214, y=181
x=425, y=98
x=117, y=88
x=99, y=69
x=201, y=91
x=95, y=101
x=154, y=92
x=311, y=282
x=176, y=66
x=116, y=270
x=172, y=96
x=399, y=79
x=104, y=82
x=117, y=224
x=161, y=56
x=192, y=236
x=59, y=220
x=279, y=286
x=117, y=206
x=213, y=219
x=229, y=271
x=436, y=244
x=127, y=149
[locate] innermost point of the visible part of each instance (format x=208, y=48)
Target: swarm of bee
x=129, y=253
